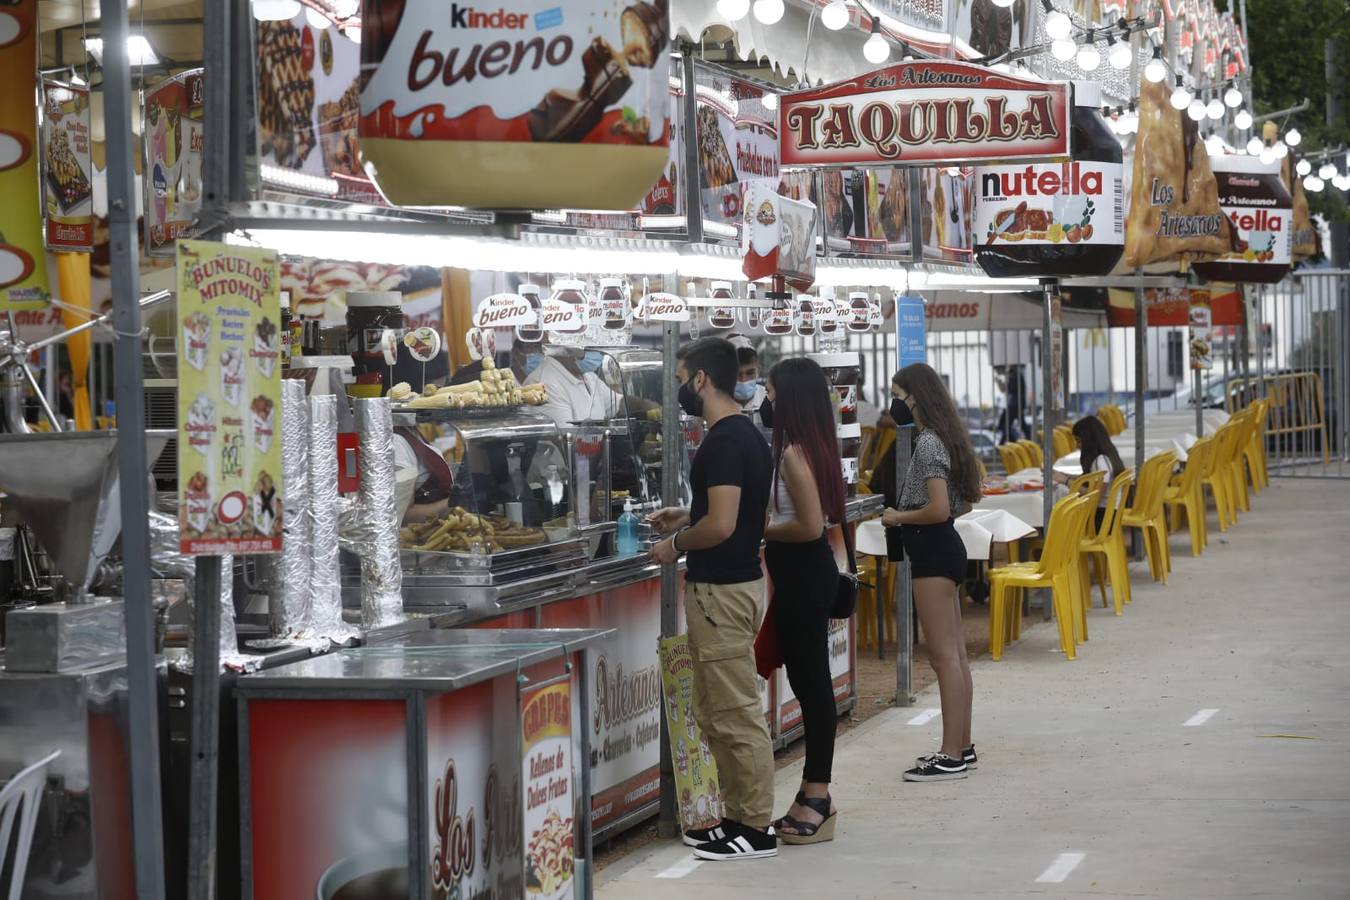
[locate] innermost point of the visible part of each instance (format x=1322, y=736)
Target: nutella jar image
x=806, y=315
x=518, y=106
x=571, y=291
x=1055, y=218
x=722, y=316
x=859, y=312
x=778, y=321
x=753, y=314
x=1253, y=197
x=614, y=303
x=531, y=334
x=369, y=316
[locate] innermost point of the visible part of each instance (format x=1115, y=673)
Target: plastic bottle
x=628, y=530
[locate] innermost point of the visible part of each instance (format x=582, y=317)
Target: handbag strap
x=848, y=545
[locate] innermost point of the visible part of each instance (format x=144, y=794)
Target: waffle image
x=714, y=160
x=337, y=132
x=285, y=95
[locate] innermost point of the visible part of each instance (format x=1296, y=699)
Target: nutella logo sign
x=1069, y=178
x=1258, y=220
x=468, y=17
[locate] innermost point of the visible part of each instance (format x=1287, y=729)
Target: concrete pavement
x=1091, y=782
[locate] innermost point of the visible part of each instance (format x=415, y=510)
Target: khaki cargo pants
x=723, y=620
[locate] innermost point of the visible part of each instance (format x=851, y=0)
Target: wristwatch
x=675, y=539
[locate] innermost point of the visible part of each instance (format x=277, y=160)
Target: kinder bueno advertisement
x=663, y=307
x=519, y=104
x=172, y=132
x=1259, y=207
x=1072, y=202
x=779, y=237
x=925, y=112
x=504, y=311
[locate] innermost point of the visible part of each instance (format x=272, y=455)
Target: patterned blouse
x=930, y=460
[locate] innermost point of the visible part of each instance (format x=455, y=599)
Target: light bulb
x=1214, y=144
x=1342, y=182
x=1292, y=137
x=1058, y=26
x=731, y=10
x=1155, y=70
x=1120, y=55
x=1232, y=98
x=1281, y=150
x=1267, y=155
x=1303, y=167
x=1089, y=57
x=1063, y=50
x=835, y=15
x=769, y=12
x=769, y=100
x=1215, y=109
x=1196, y=110
x=1181, y=98
x=1327, y=171
x=1254, y=146
x=1243, y=120
x=876, y=50
x=1313, y=183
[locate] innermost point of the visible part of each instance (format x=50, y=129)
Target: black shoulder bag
x=846, y=596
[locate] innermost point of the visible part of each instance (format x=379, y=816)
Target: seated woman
x=1096, y=453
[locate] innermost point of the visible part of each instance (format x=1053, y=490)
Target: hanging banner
x=911, y=329
x=1261, y=213
x=1170, y=307
x=23, y=276
x=737, y=142
x=779, y=237
x=697, y=798
x=1303, y=240
x=66, y=167
x=1201, y=329
x=925, y=112
x=1056, y=352
x=1174, y=209
x=546, y=746
x=229, y=399
x=172, y=132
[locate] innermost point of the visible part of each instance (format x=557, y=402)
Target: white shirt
x=1102, y=464
x=573, y=399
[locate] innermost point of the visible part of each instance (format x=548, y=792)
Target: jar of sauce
x=722, y=316
x=369, y=316
x=613, y=303
x=531, y=334
x=1043, y=219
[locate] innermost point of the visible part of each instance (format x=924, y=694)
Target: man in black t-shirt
x=724, y=597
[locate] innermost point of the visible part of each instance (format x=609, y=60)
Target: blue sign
x=911, y=330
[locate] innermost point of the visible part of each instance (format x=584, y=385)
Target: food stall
x=501, y=557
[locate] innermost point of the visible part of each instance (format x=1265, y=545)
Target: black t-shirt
x=733, y=453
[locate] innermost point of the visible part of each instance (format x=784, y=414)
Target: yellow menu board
x=23, y=269
x=698, y=799
x=229, y=399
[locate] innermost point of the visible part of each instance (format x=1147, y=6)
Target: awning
x=1170, y=307
x=974, y=311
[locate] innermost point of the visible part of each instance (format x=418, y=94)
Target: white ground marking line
x=1201, y=717
x=925, y=717
x=681, y=868
x=1060, y=868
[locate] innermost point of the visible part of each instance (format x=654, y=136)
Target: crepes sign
x=925, y=112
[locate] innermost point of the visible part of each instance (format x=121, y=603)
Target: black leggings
x=805, y=580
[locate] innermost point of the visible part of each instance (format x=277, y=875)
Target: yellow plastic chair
x=1247, y=424
x=1186, y=495
x=1118, y=415
x=1087, y=481
x=1218, y=476
x=1006, y=583
x=1063, y=441
x=1146, y=513
x=1033, y=455
x=1109, y=541
x=1254, y=453
x=1011, y=457
x=1083, y=527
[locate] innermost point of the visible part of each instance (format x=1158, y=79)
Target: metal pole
x=217, y=168
x=1140, y=372
x=142, y=682
x=1048, y=287
x=201, y=872
x=584, y=801
x=904, y=590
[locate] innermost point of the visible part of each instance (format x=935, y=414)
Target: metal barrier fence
x=1301, y=366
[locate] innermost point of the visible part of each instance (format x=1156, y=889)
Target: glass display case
x=635, y=444
x=486, y=501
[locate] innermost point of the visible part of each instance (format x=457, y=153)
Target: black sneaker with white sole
x=937, y=767
x=968, y=756
x=722, y=830
x=741, y=843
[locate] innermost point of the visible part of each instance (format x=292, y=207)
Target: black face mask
x=900, y=412
x=689, y=399
x=766, y=413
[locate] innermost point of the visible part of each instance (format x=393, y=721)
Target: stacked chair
x=1146, y=512
x=1185, y=493
x=1109, y=541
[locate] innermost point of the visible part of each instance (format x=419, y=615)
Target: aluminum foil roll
x=289, y=607
x=381, y=570
x=325, y=586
